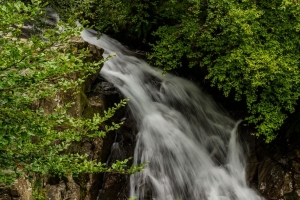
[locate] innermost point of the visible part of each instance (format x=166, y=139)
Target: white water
x=192, y=147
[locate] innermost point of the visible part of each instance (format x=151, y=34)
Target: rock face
x=121, y=146
x=116, y=186
x=87, y=103
x=274, y=169
x=20, y=190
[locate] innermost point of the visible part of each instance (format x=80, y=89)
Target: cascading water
x=192, y=147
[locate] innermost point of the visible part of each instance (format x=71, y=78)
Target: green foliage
x=33, y=141
x=134, y=16
x=250, y=49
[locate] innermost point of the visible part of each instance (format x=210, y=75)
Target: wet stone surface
x=274, y=169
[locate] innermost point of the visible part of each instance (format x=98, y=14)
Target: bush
x=32, y=141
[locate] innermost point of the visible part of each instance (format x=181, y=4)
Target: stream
x=192, y=146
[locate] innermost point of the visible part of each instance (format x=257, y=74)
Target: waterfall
x=192, y=147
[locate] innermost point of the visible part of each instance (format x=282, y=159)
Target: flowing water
x=192, y=146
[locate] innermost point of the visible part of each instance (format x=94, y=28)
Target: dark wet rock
x=67, y=188
x=105, y=88
x=116, y=186
x=274, y=169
